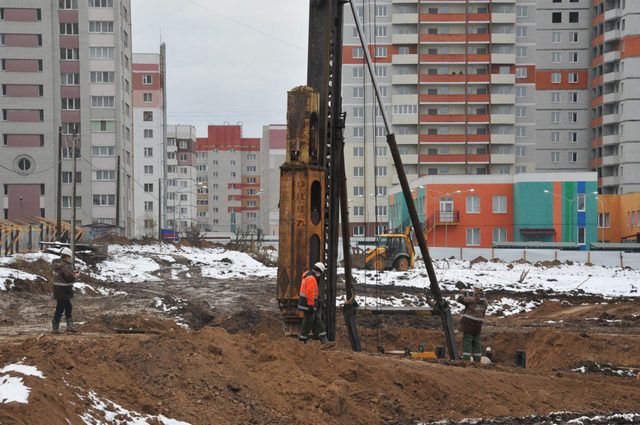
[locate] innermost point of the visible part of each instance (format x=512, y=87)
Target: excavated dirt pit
x=208, y=352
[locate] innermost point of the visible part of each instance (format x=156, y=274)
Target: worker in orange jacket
x=309, y=304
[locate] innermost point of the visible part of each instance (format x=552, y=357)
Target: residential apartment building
x=182, y=184
x=473, y=87
x=272, y=156
x=615, y=92
x=148, y=142
x=230, y=172
x=67, y=64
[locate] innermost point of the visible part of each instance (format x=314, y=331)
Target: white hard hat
x=66, y=251
x=477, y=286
x=320, y=266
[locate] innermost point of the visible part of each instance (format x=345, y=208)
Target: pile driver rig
x=313, y=195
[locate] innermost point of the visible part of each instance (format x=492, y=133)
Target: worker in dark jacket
x=475, y=308
x=309, y=304
x=63, y=290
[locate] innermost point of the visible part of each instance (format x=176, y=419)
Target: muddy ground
x=212, y=352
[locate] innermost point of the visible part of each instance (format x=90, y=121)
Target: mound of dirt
x=134, y=323
x=478, y=259
x=211, y=376
x=548, y=264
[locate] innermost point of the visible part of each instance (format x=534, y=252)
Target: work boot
x=70, y=326
x=56, y=327
x=326, y=344
x=303, y=338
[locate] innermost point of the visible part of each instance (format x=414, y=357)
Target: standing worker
x=475, y=307
x=308, y=302
x=63, y=290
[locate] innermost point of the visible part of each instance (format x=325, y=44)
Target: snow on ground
x=13, y=388
x=103, y=411
x=127, y=268
x=9, y=276
x=597, y=280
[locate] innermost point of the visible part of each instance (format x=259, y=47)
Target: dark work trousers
x=312, y=322
x=63, y=306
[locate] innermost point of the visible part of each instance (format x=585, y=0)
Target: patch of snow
x=167, y=258
x=9, y=276
x=13, y=390
x=22, y=369
x=128, y=268
x=103, y=411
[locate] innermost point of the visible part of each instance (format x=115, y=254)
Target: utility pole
x=118, y=192
x=73, y=199
x=59, y=187
x=160, y=209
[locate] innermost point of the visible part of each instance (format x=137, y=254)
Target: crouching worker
x=309, y=304
x=63, y=290
x=475, y=307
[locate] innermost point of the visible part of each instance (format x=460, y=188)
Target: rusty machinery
x=313, y=194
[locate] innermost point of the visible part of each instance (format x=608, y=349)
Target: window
x=555, y=117
x=358, y=190
x=100, y=3
x=148, y=187
x=573, y=117
x=604, y=221
x=573, y=156
x=555, y=157
x=103, y=150
x=358, y=171
x=521, y=91
x=70, y=104
x=70, y=54
x=358, y=72
x=104, y=200
x=101, y=26
x=358, y=230
x=147, y=97
x=357, y=52
x=521, y=111
x=473, y=237
x=573, y=137
x=67, y=177
x=381, y=31
x=555, y=137
x=358, y=152
x=573, y=37
x=473, y=204
x=556, y=57
x=70, y=79
x=148, y=152
x=521, y=52
x=521, y=131
x=148, y=206
x=148, y=134
x=66, y=202
x=68, y=28
x=381, y=11
x=358, y=211
x=499, y=204
x=573, y=97
x=381, y=71
x=581, y=202
x=499, y=234
x=148, y=169
x=381, y=190
x=358, y=131
x=148, y=116
x=555, y=97
x=573, y=57
x=381, y=52
x=68, y=4
x=556, y=78
x=101, y=52
x=521, y=32
x=521, y=150
x=358, y=92
x=521, y=72
x=251, y=169
x=381, y=150
x=520, y=169
x=381, y=171
x=574, y=17
x=105, y=175
x=103, y=126
x=103, y=102
x=556, y=17
x=381, y=210
x=102, y=76
x=556, y=37
x=522, y=11
x=147, y=79
x=573, y=77
x=581, y=236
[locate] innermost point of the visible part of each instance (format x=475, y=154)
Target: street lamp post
x=571, y=212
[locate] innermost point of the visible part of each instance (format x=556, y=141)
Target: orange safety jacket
x=308, y=291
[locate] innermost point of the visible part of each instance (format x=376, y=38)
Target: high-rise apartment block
x=272, y=156
x=182, y=184
x=615, y=95
x=67, y=64
x=228, y=165
x=478, y=87
x=149, y=143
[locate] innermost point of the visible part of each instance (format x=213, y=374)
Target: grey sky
x=227, y=60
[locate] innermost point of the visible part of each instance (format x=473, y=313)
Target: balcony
x=451, y=59
x=404, y=1
x=612, y=14
x=500, y=158
x=612, y=35
x=404, y=79
x=611, y=98
x=610, y=119
x=503, y=119
x=455, y=159
x=454, y=78
x=503, y=139
x=497, y=38
x=503, y=58
x=404, y=99
x=404, y=18
x=404, y=59
x=611, y=56
x=503, y=18
x=404, y=39
x=409, y=158
x=503, y=78
x=611, y=77
x=443, y=218
x=454, y=138
x=454, y=98
x=455, y=38
x=455, y=17
x=406, y=139
x=404, y=120
x=503, y=99
x=610, y=160
x=611, y=181
x=454, y=118
x=612, y=139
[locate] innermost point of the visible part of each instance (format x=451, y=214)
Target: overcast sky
x=227, y=60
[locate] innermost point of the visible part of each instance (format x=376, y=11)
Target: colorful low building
x=619, y=218
x=476, y=211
